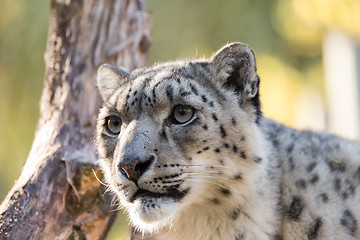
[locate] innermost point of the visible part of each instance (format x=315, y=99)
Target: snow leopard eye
x=182, y=114
x=113, y=125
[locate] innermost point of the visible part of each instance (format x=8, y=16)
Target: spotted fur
x=227, y=172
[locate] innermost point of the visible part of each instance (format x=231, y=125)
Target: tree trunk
x=57, y=195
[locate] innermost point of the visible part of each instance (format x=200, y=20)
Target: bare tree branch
x=57, y=195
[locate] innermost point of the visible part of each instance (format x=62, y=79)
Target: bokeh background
x=307, y=51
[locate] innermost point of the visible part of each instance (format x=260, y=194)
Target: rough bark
x=57, y=195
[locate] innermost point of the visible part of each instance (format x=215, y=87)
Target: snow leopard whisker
x=117, y=208
x=204, y=174
x=114, y=201
x=218, y=178
x=201, y=180
x=102, y=183
x=108, y=189
x=208, y=166
x=201, y=172
x=178, y=189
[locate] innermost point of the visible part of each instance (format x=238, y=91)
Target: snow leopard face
x=179, y=133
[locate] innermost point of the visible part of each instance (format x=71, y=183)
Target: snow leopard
x=187, y=151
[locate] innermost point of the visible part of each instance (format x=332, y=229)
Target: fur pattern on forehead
x=234, y=65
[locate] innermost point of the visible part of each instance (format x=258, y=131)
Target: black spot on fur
x=235, y=213
x=169, y=92
x=311, y=167
x=215, y=201
x=163, y=134
x=225, y=191
x=222, y=131
x=291, y=164
x=257, y=159
x=203, y=98
x=205, y=148
x=237, y=176
x=349, y=222
x=324, y=197
x=142, y=97
x=313, y=231
x=184, y=94
x=233, y=121
x=214, y=117
x=234, y=148
x=243, y=155
x=314, y=179
x=154, y=92
x=357, y=174
x=277, y=236
x=217, y=150
x=126, y=99
x=211, y=104
x=290, y=148
x=193, y=89
x=335, y=165
x=348, y=189
x=301, y=184
x=256, y=103
x=226, y=145
x=295, y=209
x=204, y=65
x=205, y=127
x=337, y=184
x=275, y=143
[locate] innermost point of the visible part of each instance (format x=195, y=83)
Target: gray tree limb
x=57, y=195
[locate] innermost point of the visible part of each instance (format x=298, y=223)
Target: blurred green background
x=286, y=35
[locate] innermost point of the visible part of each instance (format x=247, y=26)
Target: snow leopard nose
x=135, y=168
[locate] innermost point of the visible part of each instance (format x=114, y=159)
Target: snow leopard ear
x=109, y=78
x=236, y=69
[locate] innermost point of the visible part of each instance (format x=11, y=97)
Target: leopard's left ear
x=236, y=69
x=109, y=79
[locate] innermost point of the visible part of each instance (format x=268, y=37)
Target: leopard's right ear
x=236, y=69
x=109, y=78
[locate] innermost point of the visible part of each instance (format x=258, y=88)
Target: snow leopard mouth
x=174, y=194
